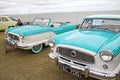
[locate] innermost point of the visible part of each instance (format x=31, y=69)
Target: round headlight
x=21, y=36
x=106, y=55
x=51, y=43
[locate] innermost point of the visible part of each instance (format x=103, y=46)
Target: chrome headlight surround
x=51, y=43
x=21, y=36
x=106, y=55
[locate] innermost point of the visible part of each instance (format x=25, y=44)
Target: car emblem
x=73, y=53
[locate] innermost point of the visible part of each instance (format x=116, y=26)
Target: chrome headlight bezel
x=51, y=43
x=21, y=36
x=106, y=55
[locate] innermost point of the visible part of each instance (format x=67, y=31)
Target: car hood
x=92, y=40
x=28, y=30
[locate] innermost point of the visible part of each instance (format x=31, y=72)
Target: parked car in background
x=92, y=50
x=36, y=35
x=6, y=21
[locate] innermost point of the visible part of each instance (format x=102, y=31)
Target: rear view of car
x=6, y=21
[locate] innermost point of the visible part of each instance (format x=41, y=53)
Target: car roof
x=115, y=16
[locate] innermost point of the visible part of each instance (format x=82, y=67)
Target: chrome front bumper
x=86, y=71
x=10, y=43
x=13, y=44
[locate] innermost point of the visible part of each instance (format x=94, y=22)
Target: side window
x=4, y=19
x=12, y=19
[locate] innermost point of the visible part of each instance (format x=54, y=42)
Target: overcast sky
x=52, y=6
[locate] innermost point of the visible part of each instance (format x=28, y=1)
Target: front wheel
x=37, y=48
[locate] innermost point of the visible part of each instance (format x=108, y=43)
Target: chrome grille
x=14, y=37
x=79, y=56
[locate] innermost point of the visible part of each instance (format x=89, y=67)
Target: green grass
x=18, y=64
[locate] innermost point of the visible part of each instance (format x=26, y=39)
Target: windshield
x=41, y=21
x=104, y=24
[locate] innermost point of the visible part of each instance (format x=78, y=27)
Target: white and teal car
x=36, y=35
x=92, y=50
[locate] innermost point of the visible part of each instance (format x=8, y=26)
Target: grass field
x=18, y=64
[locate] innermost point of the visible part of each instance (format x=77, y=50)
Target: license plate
x=70, y=70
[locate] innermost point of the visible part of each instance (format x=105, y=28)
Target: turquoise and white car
x=36, y=35
x=92, y=50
